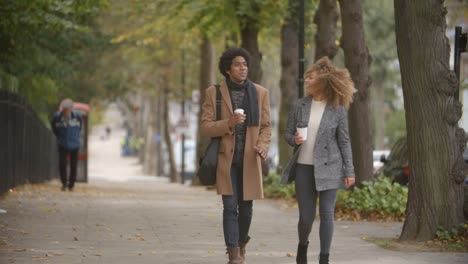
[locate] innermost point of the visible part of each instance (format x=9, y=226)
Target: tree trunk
x=326, y=18
x=147, y=144
x=149, y=164
x=435, y=142
x=173, y=174
x=250, y=43
x=138, y=109
x=249, y=35
x=379, y=115
x=357, y=60
x=206, y=79
x=145, y=105
x=159, y=155
x=288, y=81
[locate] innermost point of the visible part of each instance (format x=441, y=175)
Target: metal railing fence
x=28, y=149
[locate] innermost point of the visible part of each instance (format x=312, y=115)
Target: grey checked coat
x=333, y=158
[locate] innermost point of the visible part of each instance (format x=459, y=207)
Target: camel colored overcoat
x=259, y=136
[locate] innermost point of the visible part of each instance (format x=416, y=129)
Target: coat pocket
x=335, y=157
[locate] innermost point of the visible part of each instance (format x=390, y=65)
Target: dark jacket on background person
x=67, y=131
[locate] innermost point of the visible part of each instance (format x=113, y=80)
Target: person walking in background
x=245, y=130
x=66, y=125
x=108, y=132
x=322, y=162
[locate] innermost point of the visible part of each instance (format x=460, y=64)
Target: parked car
x=379, y=156
x=396, y=163
x=189, y=158
x=190, y=153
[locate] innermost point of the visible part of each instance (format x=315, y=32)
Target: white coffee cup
x=239, y=111
x=302, y=131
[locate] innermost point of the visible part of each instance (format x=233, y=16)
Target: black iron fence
x=28, y=149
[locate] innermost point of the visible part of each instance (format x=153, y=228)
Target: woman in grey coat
x=322, y=162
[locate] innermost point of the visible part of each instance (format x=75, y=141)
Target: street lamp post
x=300, y=79
x=182, y=152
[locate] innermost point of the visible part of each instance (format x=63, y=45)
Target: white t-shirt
x=307, y=152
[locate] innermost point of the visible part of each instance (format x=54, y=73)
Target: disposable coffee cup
x=239, y=111
x=302, y=131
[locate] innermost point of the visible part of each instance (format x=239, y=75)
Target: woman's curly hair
x=333, y=83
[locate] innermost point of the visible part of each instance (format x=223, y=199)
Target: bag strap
x=218, y=102
x=218, y=107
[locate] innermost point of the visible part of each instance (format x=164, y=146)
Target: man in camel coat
x=245, y=131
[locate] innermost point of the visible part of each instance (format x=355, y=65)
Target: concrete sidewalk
x=166, y=223
x=123, y=217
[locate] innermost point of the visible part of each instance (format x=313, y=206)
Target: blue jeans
x=237, y=213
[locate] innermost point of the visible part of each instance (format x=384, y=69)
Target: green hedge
x=273, y=188
x=380, y=196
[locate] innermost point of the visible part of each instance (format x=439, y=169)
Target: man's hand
x=298, y=139
x=261, y=152
x=236, y=119
x=349, y=181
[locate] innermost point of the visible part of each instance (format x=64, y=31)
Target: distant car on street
x=396, y=163
x=190, y=154
x=379, y=156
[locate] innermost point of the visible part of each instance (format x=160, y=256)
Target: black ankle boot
x=301, y=257
x=323, y=258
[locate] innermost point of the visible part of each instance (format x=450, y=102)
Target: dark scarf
x=250, y=104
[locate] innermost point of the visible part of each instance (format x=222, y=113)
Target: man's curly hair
x=333, y=83
x=226, y=58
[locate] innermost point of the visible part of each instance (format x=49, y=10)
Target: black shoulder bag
x=208, y=163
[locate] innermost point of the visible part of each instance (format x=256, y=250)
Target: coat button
x=325, y=147
x=325, y=164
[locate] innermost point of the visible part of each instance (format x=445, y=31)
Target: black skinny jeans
x=307, y=194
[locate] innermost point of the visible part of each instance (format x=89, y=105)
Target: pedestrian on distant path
x=322, y=162
x=108, y=132
x=245, y=141
x=66, y=125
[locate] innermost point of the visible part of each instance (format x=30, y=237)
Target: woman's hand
x=349, y=181
x=298, y=139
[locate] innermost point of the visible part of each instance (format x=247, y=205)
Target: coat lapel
x=326, y=117
x=305, y=115
x=305, y=110
x=225, y=95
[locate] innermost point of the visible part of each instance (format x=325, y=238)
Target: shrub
x=273, y=188
x=455, y=239
x=381, y=197
x=376, y=200
x=454, y=234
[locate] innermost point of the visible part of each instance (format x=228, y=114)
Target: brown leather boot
x=242, y=249
x=234, y=255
